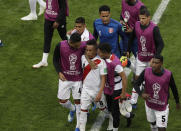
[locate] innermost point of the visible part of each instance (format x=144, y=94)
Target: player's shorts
x=161, y=117
x=88, y=98
x=140, y=66
x=66, y=87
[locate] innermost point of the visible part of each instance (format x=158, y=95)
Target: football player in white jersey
x=93, y=83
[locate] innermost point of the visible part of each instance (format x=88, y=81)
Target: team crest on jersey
x=72, y=60
x=156, y=88
x=127, y=15
x=111, y=30
x=99, y=33
x=143, y=43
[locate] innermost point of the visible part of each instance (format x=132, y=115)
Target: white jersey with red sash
x=91, y=78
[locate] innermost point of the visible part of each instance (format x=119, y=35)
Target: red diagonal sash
x=87, y=69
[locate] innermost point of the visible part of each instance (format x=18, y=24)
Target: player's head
x=91, y=48
x=130, y=1
x=75, y=40
x=104, y=50
x=157, y=63
x=80, y=25
x=104, y=12
x=144, y=16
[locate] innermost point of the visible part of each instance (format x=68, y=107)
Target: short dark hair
x=158, y=56
x=92, y=42
x=80, y=20
x=104, y=8
x=75, y=37
x=104, y=47
x=144, y=11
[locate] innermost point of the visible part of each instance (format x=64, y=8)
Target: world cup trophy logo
x=127, y=15
x=72, y=59
x=143, y=43
x=156, y=88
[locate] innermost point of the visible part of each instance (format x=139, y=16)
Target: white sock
x=134, y=97
x=68, y=105
x=33, y=6
x=115, y=129
x=78, y=115
x=42, y=3
x=154, y=127
x=45, y=57
x=83, y=120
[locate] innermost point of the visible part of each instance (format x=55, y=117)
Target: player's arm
x=56, y=62
x=124, y=84
x=61, y=18
x=130, y=42
x=174, y=91
x=138, y=83
x=102, y=85
x=159, y=44
x=95, y=34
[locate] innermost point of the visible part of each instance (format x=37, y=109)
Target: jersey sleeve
x=103, y=68
x=119, y=69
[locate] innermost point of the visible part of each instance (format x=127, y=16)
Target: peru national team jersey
x=92, y=79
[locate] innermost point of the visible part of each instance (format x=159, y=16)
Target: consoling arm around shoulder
x=138, y=82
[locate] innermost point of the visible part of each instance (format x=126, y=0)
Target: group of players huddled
x=93, y=72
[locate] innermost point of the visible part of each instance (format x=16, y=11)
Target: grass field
x=28, y=97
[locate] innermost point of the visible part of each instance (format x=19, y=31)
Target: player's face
x=144, y=20
x=156, y=65
x=101, y=54
x=80, y=27
x=105, y=17
x=91, y=51
x=75, y=45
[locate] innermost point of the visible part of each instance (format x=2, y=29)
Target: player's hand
x=145, y=96
x=123, y=95
x=69, y=32
x=98, y=97
x=55, y=25
x=151, y=62
x=61, y=76
x=178, y=106
x=127, y=54
x=128, y=30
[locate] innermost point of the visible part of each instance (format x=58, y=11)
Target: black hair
x=158, y=56
x=104, y=47
x=80, y=20
x=75, y=37
x=104, y=8
x=92, y=42
x=144, y=11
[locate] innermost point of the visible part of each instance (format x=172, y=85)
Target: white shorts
x=87, y=99
x=161, y=117
x=65, y=88
x=140, y=66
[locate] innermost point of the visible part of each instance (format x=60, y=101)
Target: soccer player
x=149, y=43
x=80, y=27
x=55, y=18
x=156, y=93
x=32, y=15
x=116, y=82
x=109, y=30
x=129, y=16
x=93, y=83
x=67, y=62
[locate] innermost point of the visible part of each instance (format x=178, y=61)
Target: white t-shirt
x=93, y=79
x=118, y=69
x=84, y=36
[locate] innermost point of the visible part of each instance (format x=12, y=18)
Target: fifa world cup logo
x=72, y=59
x=143, y=43
x=156, y=88
x=50, y=4
x=127, y=15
